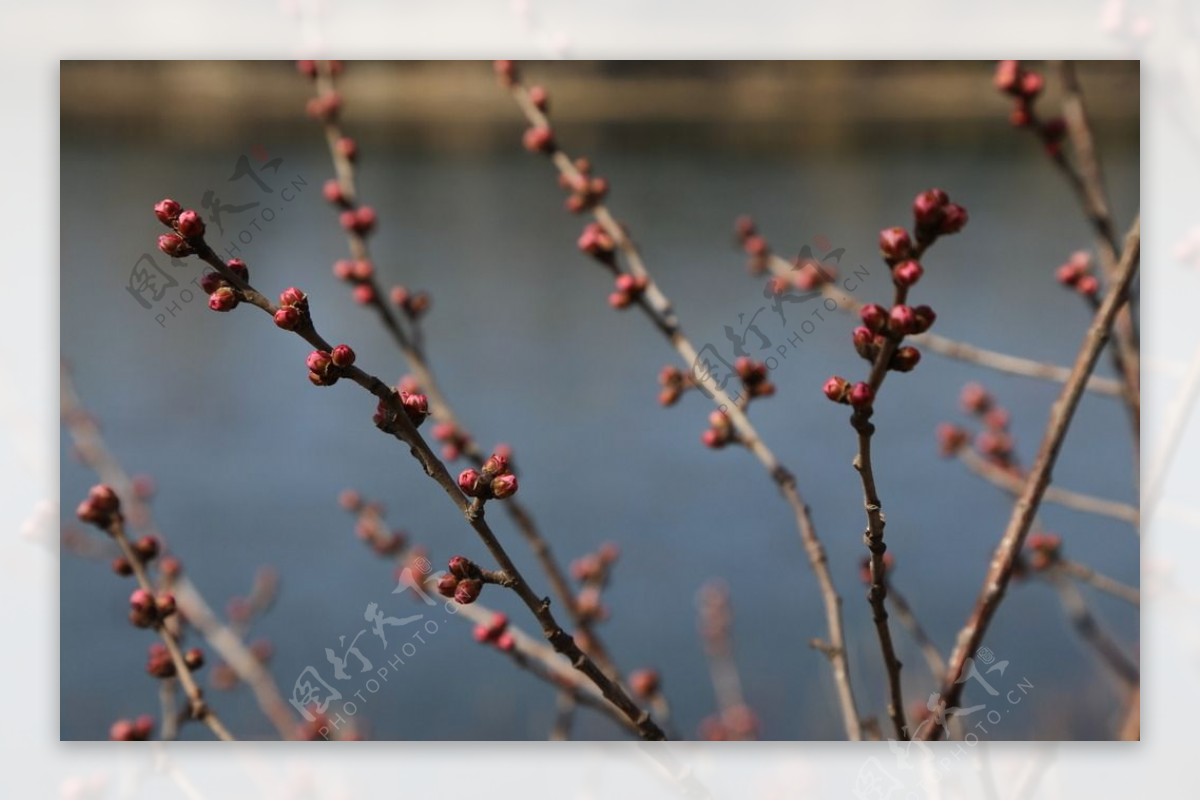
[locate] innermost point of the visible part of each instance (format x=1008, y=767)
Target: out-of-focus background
x=249, y=458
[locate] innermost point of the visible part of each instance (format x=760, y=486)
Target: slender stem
x=439, y=406
x=1101, y=582
x=197, y=707
x=1090, y=630
x=933, y=657
x=1013, y=482
x=1005, y=558
x=401, y=428
x=659, y=310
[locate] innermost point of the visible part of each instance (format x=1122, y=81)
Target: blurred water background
x=249, y=458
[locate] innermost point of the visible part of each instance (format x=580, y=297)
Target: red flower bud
x=951, y=439
x=324, y=108
x=364, y=294
x=239, y=268
x=105, y=498
x=907, y=273
x=342, y=356
x=894, y=244
x=462, y=567
x=975, y=399
x=174, y=245
x=190, y=224
x=506, y=71
x=147, y=548
x=447, y=584
x=902, y=320
x=927, y=208
x=506, y=642
x=596, y=242
x=925, y=318
x=864, y=342
x=539, y=97
x=472, y=483
x=504, y=486
x=954, y=219
x=307, y=68
x=210, y=282
x=538, y=139
x=291, y=297
x=194, y=658
x=874, y=317
x=332, y=191
x=1088, y=286
x=416, y=407
x=166, y=604
x=319, y=361
x=1021, y=116
x=905, y=359
x=167, y=211
x=159, y=663
x=122, y=567
x=756, y=246
x=644, y=682
x=1032, y=84
x=861, y=395
x=223, y=300
x=1007, y=75
x=347, y=148
x=287, y=318
x=744, y=227
x=496, y=464
x=467, y=591
x=141, y=601
x=836, y=388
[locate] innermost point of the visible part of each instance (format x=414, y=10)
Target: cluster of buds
x=223, y=296
x=839, y=390
x=1044, y=550
x=864, y=568
x=720, y=430
x=146, y=549
x=360, y=221
x=539, y=139
x=101, y=507
x=413, y=304
x=369, y=527
x=626, y=289
x=496, y=632
x=414, y=404
x=325, y=367
x=758, y=252
x=1024, y=86
x=136, y=730
x=586, y=190
x=187, y=228
x=933, y=216
x=995, y=442
x=754, y=377
x=735, y=723
x=506, y=72
x=593, y=569
x=324, y=107
x=674, y=383
x=880, y=324
x=463, y=583
x=951, y=439
x=454, y=440
x=597, y=243
x=293, y=309
x=145, y=610
x=645, y=683
x=160, y=665
x=1076, y=273
x=494, y=479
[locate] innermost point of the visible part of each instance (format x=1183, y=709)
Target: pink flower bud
x=504, y=486
x=141, y=601
x=1032, y=84
x=223, y=300
x=538, y=139
x=211, y=282
x=190, y=224
x=506, y=642
x=1069, y=274
x=902, y=320
x=905, y=359
x=287, y=318
x=167, y=211
x=744, y=227
x=644, y=682
x=364, y=294
x=472, y=483
x=147, y=548
x=874, y=317
x=927, y=208
x=907, y=273
x=894, y=244
x=239, y=268
x=506, y=71
x=159, y=663
x=416, y=407
x=975, y=399
x=620, y=300
x=165, y=604
x=1006, y=76
x=342, y=356
x=951, y=439
x=447, y=584
x=539, y=97
x=1088, y=286
x=332, y=191
x=307, y=68
x=861, y=395
x=105, y=498
x=756, y=246
x=347, y=148
x=319, y=361
x=954, y=219
x=174, y=245
x=468, y=591
x=864, y=342
x=496, y=464
x=462, y=567
x=194, y=658
x=122, y=567
x=324, y=108
x=925, y=318
x=836, y=388
x=291, y=297
x=596, y=242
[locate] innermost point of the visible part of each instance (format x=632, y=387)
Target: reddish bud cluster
x=454, y=438
x=132, y=730
x=757, y=250
x=538, y=139
x=1024, y=86
x=627, y=289
x=413, y=304
x=360, y=221
x=645, y=683
x=754, y=377
x=933, y=216
x=101, y=507
x=719, y=432
x=951, y=438
x=159, y=663
x=321, y=370
x=187, y=228
x=1076, y=273
x=415, y=406
x=839, y=390
x=674, y=383
x=463, y=583
x=1044, y=550
x=293, y=309
x=495, y=631
x=596, y=242
x=506, y=72
x=493, y=480
x=879, y=324
x=324, y=107
x=145, y=610
x=586, y=190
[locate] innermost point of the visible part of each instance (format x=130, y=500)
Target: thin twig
x=1090, y=630
x=1007, y=552
x=1101, y=582
x=659, y=310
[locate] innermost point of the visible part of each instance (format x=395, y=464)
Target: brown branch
x=399, y=426
x=1090, y=630
x=659, y=310
x=1101, y=582
x=929, y=650
x=439, y=406
x=1005, y=559
x=1013, y=483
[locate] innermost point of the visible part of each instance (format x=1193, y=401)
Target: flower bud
x=364, y=294
x=925, y=318
x=165, y=604
x=951, y=439
x=472, y=483
x=644, y=683
x=504, y=486
x=506, y=642
x=506, y=71
x=347, y=148
x=291, y=297
x=864, y=343
x=861, y=395
x=159, y=663
x=467, y=591
x=223, y=300
x=1007, y=75
x=538, y=139
x=1069, y=274
x=907, y=273
x=496, y=464
x=1088, y=286
x=210, y=282
x=141, y=601
x=167, y=211
x=146, y=548
x=894, y=244
x=416, y=407
x=902, y=319
x=596, y=242
x=332, y=191
x=174, y=245
x=756, y=246
x=874, y=317
x=539, y=97
x=975, y=399
x=122, y=567
x=836, y=388
x=954, y=218
x=927, y=208
x=105, y=498
x=905, y=359
x=287, y=318
x=462, y=567
x=239, y=268
x=1032, y=84
x=190, y=224
x=194, y=658
x=307, y=68
x=342, y=356
x=447, y=584
x=744, y=227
